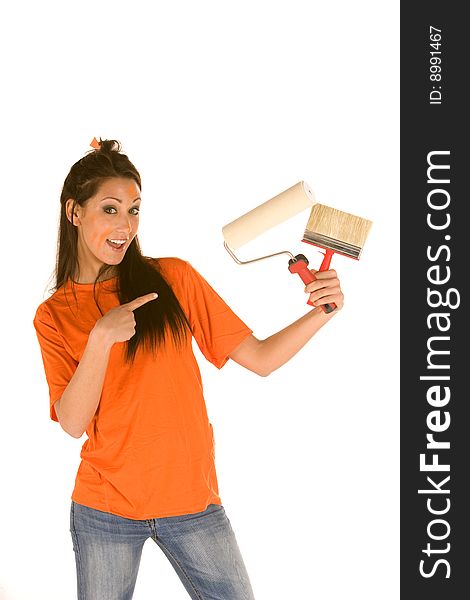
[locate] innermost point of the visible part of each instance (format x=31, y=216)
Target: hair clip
x=95, y=144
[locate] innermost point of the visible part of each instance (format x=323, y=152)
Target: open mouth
x=116, y=244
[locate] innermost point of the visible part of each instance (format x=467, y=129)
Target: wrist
x=321, y=314
x=99, y=338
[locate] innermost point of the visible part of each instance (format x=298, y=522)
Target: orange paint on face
x=95, y=233
x=132, y=187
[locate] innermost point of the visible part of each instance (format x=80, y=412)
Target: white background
x=221, y=106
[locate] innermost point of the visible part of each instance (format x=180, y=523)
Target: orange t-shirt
x=150, y=446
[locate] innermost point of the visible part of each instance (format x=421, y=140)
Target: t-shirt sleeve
x=216, y=328
x=59, y=366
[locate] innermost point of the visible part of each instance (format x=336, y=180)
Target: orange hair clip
x=95, y=144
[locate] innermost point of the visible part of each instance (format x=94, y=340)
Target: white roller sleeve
x=269, y=214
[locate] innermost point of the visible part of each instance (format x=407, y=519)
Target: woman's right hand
x=118, y=324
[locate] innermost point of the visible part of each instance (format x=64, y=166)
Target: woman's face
x=106, y=225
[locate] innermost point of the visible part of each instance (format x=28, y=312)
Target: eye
x=111, y=210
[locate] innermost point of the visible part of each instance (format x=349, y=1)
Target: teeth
x=118, y=241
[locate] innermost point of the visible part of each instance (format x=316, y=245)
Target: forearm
x=81, y=397
x=265, y=356
x=280, y=347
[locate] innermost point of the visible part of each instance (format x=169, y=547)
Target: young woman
x=115, y=339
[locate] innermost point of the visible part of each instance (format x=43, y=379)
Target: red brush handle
x=325, y=265
x=300, y=266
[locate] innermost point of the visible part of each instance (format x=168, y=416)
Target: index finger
x=133, y=304
x=326, y=274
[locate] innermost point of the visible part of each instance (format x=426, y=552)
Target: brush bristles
x=337, y=225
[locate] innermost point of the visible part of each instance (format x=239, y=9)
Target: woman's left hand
x=326, y=289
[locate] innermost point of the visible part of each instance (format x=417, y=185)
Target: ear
x=69, y=205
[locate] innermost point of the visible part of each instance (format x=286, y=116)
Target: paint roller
x=328, y=228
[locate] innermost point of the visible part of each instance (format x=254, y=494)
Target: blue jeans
x=201, y=547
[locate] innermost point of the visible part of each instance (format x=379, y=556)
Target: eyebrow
x=113, y=198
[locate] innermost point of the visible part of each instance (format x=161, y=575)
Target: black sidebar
x=435, y=325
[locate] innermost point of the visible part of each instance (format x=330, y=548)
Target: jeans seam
x=181, y=567
x=80, y=592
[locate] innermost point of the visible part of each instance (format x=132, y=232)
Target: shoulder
x=170, y=267
x=180, y=275
x=43, y=310
x=42, y=317
x=57, y=298
x=50, y=310
x=49, y=307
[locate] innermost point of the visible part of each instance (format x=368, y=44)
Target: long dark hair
x=136, y=274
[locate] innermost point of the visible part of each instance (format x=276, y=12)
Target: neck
x=88, y=277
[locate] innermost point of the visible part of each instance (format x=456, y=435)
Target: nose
x=125, y=224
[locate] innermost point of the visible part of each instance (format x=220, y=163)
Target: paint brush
x=334, y=231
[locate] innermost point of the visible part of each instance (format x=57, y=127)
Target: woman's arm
x=265, y=356
x=80, y=399
x=78, y=404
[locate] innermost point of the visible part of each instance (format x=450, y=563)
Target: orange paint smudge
x=132, y=188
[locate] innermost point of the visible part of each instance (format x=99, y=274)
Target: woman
x=115, y=338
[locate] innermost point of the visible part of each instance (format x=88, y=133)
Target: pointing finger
x=133, y=304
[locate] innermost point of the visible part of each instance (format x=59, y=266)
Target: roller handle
x=300, y=266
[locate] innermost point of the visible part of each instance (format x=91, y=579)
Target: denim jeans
x=201, y=547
